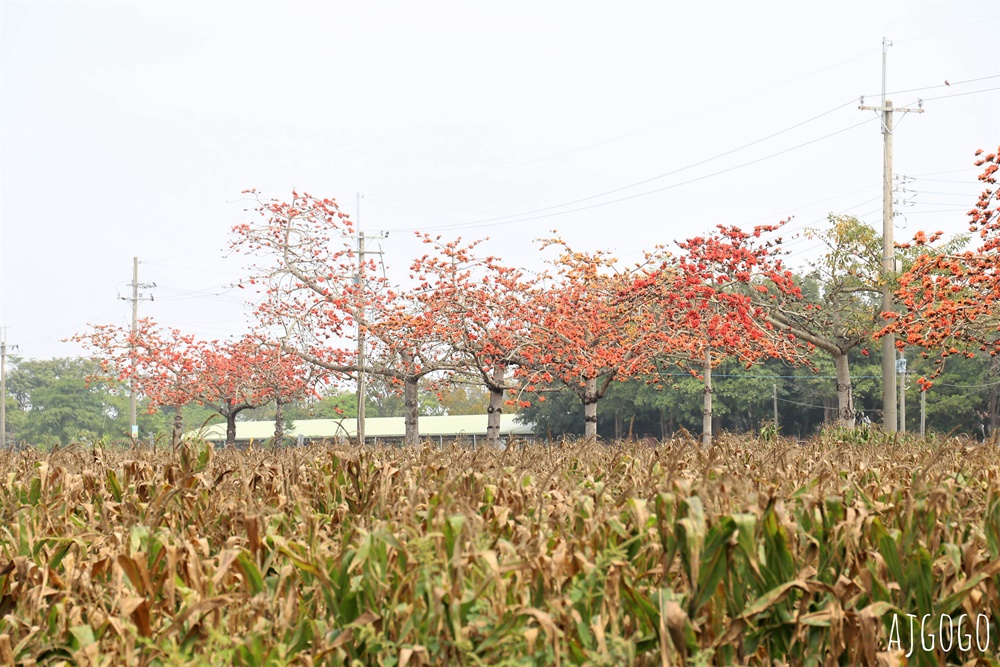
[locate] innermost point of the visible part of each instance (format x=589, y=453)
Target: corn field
x=745, y=553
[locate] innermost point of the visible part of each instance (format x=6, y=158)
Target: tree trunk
x=412, y=437
x=279, y=421
x=231, y=428
x=175, y=437
x=493, y=412
x=845, y=392
x=590, y=409
x=663, y=424
x=706, y=421
x=619, y=424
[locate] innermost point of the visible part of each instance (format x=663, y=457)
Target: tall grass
x=748, y=552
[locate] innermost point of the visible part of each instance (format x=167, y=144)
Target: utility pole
x=901, y=369
x=360, y=282
x=706, y=423
x=361, y=335
x=3, y=386
x=775, y=387
x=888, y=249
x=135, y=298
x=923, y=411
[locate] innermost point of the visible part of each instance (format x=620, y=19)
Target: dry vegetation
x=746, y=553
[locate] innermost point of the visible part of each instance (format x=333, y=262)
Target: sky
x=131, y=129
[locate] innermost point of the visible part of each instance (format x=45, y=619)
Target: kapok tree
x=711, y=292
x=951, y=300
x=588, y=326
x=245, y=374
x=317, y=290
x=480, y=308
x=406, y=344
x=271, y=372
x=164, y=368
x=174, y=369
x=287, y=377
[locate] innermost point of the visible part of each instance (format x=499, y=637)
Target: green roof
x=375, y=427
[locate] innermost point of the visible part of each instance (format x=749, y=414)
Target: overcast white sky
x=129, y=129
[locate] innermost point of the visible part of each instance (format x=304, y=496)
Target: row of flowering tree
x=597, y=323
x=174, y=369
x=585, y=322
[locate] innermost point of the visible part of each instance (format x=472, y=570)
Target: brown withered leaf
x=138, y=610
x=6, y=652
x=198, y=610
x=134, y=570
x=890, y=659
x=417, y=653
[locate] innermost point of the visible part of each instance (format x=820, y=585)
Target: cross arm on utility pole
x=888, y=108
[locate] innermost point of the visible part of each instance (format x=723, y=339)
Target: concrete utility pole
x=901, y=369
x=360, y=282
x=3, y=386
x=775, y=387
x=923, y=411
x=361, y=336
x=706, y=422
x=135, y=298
x=888, y=249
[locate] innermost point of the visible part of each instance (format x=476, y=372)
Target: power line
x=939, y=203
x=541, y=213
x=496, y=221
x=967, y=386
x=188, y=268
x=652, y=127
x=820, y=244
x=944, y=173
x=947, y=194
x=502, y=220
x=941, y=85
x=948, y=210
x=184, y=254
x=773, y=377
x=74, y=329
x=708, y=109
x=790, y=231
x=944, y=30
x=207, y=293
x=942, y=180
x=651, y=179
x=971, y=92
x=807, y=405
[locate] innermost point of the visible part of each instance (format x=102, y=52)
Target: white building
x=465, y=429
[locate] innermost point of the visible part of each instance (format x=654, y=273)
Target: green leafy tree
x=963, y=397
x=462, y=399
x=56, y=405
x=841, y=308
